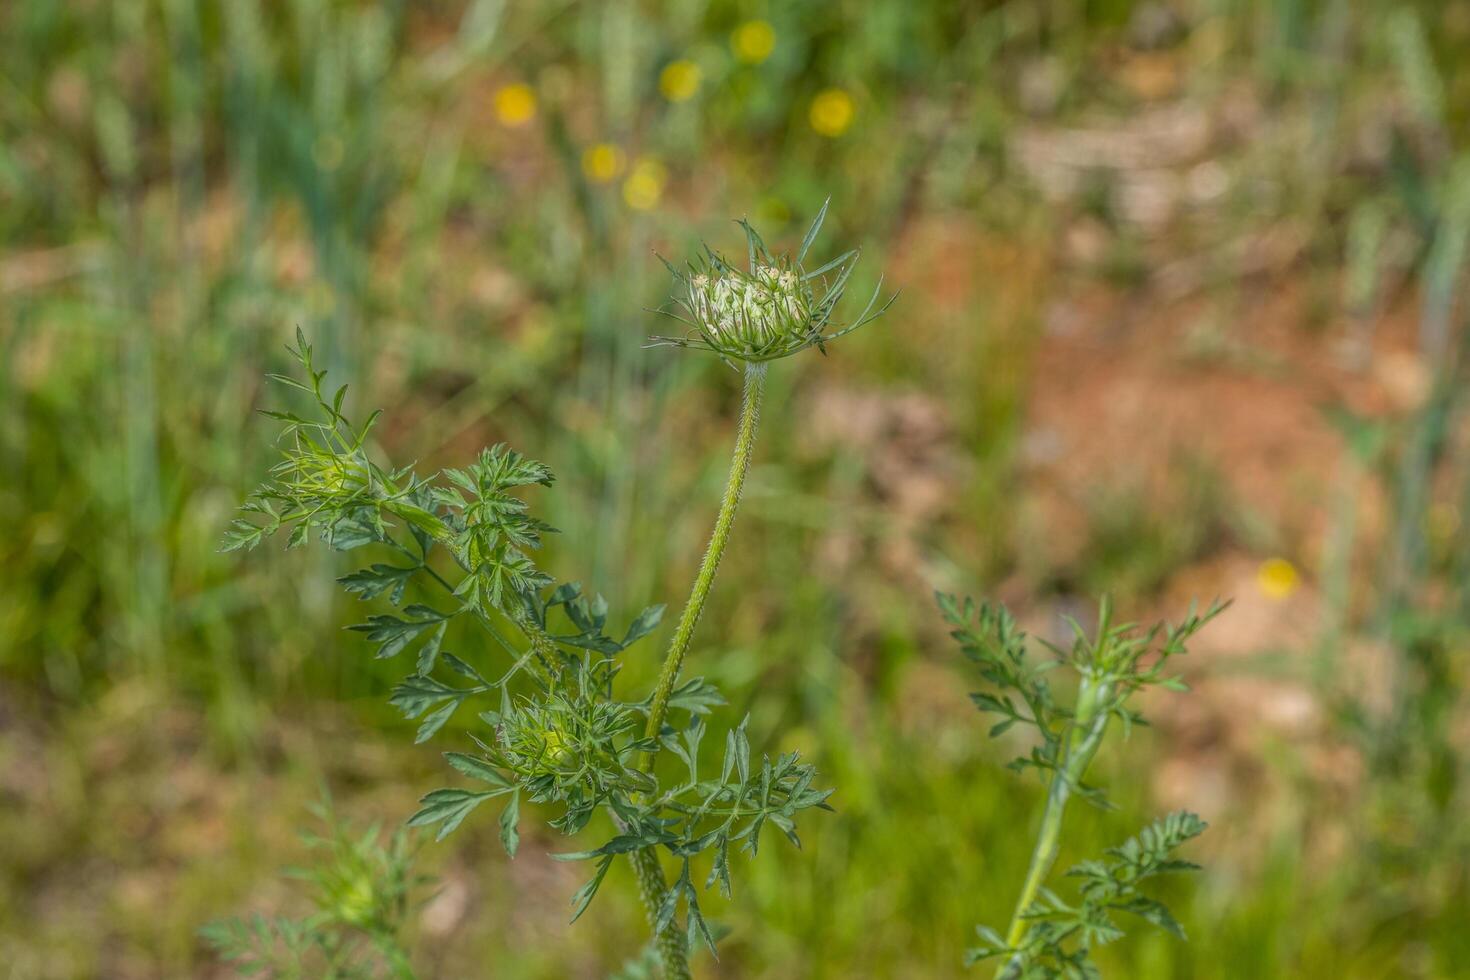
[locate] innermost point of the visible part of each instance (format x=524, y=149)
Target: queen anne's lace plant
x=1049, y=937
x=553, y=727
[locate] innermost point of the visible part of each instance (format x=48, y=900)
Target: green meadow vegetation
x=1179, y=316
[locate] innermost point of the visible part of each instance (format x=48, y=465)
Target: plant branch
x=543, y=649
x=1083, y=737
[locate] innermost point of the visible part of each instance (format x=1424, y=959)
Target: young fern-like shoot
x=549, y=725
x=1048, y=937
x=360, y=889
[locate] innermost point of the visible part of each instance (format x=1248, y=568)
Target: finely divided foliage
x=560, y=736
x=359, y=889
x=1049, y=937
x=460, y=545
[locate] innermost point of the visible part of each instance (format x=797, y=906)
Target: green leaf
x=995, y=945
x=477, y=768
x=621, y=844
x=416, y=694
x=394, y=634
x=354, y=532
x=417, y=517
x=720, y=869
x=696, y=696
x=243, y=534
x=1152, y=911
x=429, y=652
x=448, y=807
x=646, y=623
x=434, y=721
x=510, y=835
x=697, y=925
x=584, y=895
x=826, y=267
x=737, y=754
x=463, y=669
x=373, y=581
x=811, y=234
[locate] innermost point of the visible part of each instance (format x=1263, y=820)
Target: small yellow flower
x=753, y=41
x=602, y=163
x=644, y=187
x=515, y=104
x=679, y=81
x=831, y=112
x=1277, y=578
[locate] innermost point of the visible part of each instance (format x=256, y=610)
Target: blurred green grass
x=182, y=182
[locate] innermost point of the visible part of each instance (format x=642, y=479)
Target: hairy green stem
x=672, y=945
x=651, y=884
x=750, y=410
x=1082, y=737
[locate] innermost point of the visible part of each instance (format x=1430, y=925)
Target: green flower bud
x=557, y=747
x=751, y=316
x=357, y=901
x=773, y=310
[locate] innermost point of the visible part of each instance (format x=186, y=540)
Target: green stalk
x=750, y=410
x=394, y=954
x=651, y=884
x=1083, y=737
x=672, y=946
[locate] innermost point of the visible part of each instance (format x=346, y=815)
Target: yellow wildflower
x=831, y=112
x=515, y=104
x=1277, y=578
x=602, y=163
x=679, y=81
x=753, y=41
x=644, y=187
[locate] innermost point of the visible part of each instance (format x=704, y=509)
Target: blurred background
x=1181, y=317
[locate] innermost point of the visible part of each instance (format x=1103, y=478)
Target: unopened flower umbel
x=774, y=309
x=752, y=312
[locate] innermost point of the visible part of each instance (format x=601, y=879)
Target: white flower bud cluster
x=750, y=313
x=774, y=310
